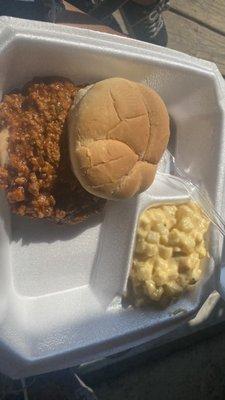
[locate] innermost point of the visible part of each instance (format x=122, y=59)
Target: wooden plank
x=192, y=38
x=209, y=12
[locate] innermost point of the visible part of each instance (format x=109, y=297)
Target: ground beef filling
x=38, y=177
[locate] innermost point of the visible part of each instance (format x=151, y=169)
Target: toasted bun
x=118, y=131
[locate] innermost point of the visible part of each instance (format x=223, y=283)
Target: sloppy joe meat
x=37, y=177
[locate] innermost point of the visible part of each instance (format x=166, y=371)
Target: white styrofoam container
x=60, y=287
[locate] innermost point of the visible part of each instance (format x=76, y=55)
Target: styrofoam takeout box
x=60, y=287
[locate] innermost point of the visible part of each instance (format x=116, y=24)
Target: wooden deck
x=197, y=27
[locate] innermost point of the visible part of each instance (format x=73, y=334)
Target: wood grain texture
x=192, y=38
x=209, y=12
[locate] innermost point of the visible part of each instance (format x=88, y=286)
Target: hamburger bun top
x=118, y=131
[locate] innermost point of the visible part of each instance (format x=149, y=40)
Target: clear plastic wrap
x=169, y=189
x=198, y=194
x=176, y=177
x=196, y=191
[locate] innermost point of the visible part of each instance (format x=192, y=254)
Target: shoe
x=146, y=22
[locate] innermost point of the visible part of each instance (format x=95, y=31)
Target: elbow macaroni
x=169, y=249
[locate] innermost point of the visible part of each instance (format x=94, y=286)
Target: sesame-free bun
x=118, y=131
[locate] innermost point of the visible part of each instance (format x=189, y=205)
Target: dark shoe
x=146, y=22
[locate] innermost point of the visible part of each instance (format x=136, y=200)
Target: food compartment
x=168, y=282
x=189, y=93
x=47, y=258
